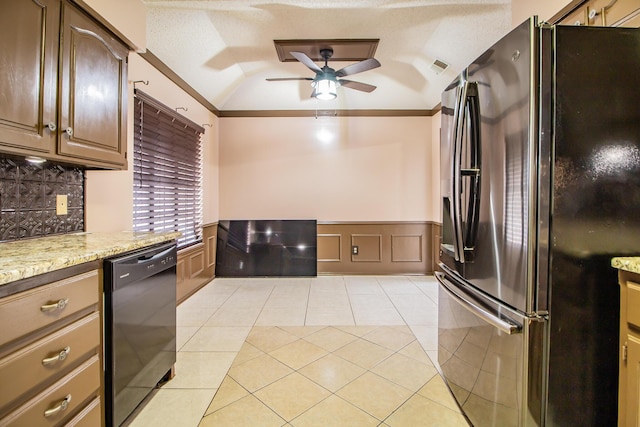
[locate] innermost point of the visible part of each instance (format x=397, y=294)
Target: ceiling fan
x=327, y=80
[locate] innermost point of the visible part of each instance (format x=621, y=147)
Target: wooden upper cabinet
x=605, y=13
x=93, y=91
x=63, y=85
x=624, y=13
x=633, y=21
x=28, y=74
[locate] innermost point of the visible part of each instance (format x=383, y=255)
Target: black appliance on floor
x=277, y=247
x=140, y=326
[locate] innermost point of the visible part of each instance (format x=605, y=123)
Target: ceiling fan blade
x=358, y=67
x=364, y=87
x=313, y=93
x=280, y=79
x=306, y=61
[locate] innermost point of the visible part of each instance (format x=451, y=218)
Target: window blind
x=167, y=171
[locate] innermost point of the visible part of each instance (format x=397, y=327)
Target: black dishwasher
x=139, y=325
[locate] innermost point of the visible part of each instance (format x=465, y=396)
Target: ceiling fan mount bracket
x=326, y=53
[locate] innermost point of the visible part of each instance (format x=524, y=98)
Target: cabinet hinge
x=624, y=352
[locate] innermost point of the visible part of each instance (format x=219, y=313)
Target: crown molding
x=328, y=113
x=171, y=75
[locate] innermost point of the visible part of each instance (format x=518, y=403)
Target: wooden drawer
x=90, y=416
x=633, y=304
x=80, y=385
x=28, y=311
x=24, y=369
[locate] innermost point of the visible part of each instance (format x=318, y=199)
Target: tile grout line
x=332, y=393
x=343, y=285
x=353, y=316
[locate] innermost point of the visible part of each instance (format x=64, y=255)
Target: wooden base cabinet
x=629, y=396
x=63, y=85
x=51, y=354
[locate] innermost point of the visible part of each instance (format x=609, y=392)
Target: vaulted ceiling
x=224, y=49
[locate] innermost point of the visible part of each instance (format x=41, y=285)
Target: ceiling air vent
x=438, y=66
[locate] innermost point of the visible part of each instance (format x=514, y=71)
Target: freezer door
x=489, y=163
x=491, y=358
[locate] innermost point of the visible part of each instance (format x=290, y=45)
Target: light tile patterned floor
x=323, y=351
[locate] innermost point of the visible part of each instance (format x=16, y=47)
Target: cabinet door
x=633, y=380
x=28, y=74
x=602, y=13
x=620, y=11
x=632, y=22
x=93, y=92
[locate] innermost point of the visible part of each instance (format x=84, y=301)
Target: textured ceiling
x=224, y=49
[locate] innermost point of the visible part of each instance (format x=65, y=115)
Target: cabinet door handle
x=64, y=404
x=58, y=357
x=52, y=126
x=69, y=131
x=59, y=305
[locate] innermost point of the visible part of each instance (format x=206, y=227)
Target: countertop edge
x=631, y=264
x=29, y=265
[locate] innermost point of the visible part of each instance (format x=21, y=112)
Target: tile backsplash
x=28, y=199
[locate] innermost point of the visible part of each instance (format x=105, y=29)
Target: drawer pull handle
x=61, y=304
x=64, y=404
x=58, y=357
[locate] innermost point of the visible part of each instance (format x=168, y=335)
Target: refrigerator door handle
x=501, y=324
x=472, y=172
x=465, y=238
x=458, y=126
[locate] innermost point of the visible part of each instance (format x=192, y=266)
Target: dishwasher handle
x=152, y=257
x=138, y=265
x=502, y=324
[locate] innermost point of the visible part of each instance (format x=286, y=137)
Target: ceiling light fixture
x=327, y=80
x=325, y=88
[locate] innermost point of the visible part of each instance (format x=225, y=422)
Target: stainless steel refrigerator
x=540, y=184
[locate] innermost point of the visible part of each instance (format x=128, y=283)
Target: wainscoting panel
x=406, y=248
x=329, y=247
x=196, y=260
x=196, y=264
x=383, y=247
x=435, y=243
x=369, y=247
x=211, y=250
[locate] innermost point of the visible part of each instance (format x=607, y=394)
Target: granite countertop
x=631, y=264
x=22, y=259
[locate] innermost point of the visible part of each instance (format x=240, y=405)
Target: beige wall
x=435, y=166
x=329, y=168
x=109, y=194
x=545, y=9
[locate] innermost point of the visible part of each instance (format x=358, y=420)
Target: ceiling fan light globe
x=326, y=89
